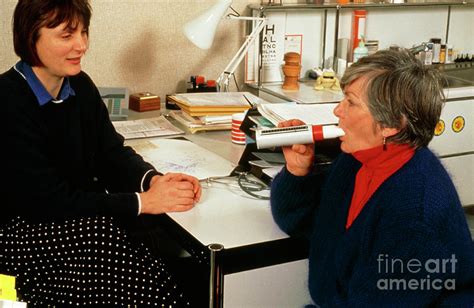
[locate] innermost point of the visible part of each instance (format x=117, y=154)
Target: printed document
x=321, y=114
x=152, y=127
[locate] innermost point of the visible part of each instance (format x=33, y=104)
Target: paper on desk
x=272, y=171
x=271, y=157
x=222, y=119
x=195, y=124
x=321, y=114
x=307, y=94
x=178, y=155
x=152, y=127
x=263, y=163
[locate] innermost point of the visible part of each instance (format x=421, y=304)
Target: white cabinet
x=454, y=140
x=283, y=286
x=455, y=131
x=461, y=168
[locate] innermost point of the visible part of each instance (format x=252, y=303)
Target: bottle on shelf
x=429, y=54
x=361, y=50
x=436, y=49
x=458, y=57
x=449, y=54
x=442, y=54
x=464, y=57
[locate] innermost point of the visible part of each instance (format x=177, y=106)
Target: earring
x=384, y=143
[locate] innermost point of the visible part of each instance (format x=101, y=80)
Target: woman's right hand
x=299, y=157
x=172, y=192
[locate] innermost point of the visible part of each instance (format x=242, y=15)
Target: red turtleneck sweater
x=377, y=166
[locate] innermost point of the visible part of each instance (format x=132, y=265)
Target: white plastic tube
x=302, y=134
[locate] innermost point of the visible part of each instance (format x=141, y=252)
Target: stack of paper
x=215, y=103
x=211, y=110
x=204, y=123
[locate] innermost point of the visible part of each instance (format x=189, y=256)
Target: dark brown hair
x=31, y=15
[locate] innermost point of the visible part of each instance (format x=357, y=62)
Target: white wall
x=139, y=44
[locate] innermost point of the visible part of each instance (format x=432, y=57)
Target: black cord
x=236, y=14
x=250, y=190
x=236, y=84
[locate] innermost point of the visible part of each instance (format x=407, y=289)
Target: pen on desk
x=248, y=101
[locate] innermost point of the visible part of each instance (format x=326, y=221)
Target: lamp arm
x=226, y=75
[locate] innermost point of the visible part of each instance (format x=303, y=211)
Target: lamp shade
x=201, y=30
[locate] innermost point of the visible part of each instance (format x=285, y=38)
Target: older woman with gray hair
x=384, y=222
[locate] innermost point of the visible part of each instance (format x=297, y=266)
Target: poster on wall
x=273, y=47
x=273, y=44
x=294, y=43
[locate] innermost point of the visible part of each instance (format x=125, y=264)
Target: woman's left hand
x=179, y=177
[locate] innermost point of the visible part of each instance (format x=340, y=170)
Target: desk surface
x=225, y=215
x=229, y=218
x=218, y=142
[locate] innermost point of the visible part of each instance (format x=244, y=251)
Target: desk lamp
x=201, y=30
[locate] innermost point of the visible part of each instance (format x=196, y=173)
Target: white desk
x=240, y=220
x=262, y=265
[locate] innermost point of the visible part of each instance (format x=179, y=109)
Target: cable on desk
x=250, y=187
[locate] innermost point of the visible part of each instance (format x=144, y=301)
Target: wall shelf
x=289, y=7
x=336, y=11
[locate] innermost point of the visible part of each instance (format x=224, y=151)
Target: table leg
x=216, y=281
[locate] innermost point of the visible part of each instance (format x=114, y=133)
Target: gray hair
x=402, y=93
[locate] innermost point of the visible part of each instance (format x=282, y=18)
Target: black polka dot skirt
x=84, y=262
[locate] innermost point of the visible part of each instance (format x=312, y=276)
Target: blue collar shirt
x=37, y=87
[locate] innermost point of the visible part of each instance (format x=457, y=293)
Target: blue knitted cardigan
x=393, y=254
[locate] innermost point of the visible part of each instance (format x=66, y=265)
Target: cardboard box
x=144, y=101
